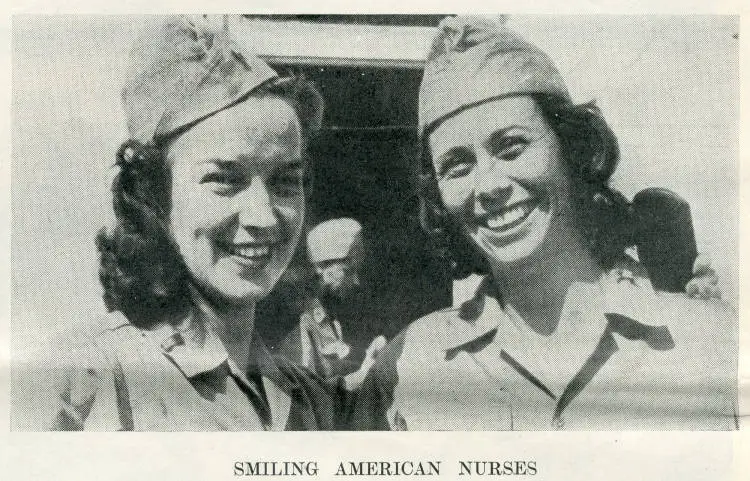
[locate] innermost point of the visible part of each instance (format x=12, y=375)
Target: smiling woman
x=513, y=168
x=565, y=331
x=209, y=202
x=238, y=198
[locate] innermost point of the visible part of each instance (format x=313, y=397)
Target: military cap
x=476, y=59
x=333, y=239
x=183, y=69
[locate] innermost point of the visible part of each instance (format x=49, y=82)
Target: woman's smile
x=249, y=254
x=512, y=216
x=511, y=228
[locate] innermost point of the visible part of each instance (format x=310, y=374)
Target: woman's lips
x=250, y=251
x=252, y=255
x=512, y=216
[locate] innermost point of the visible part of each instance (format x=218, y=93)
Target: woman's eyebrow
x=222, y=163
x=452, y=153
x=452, y=157
x=500, y=133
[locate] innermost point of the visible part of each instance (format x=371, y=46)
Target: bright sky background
x=668, y=85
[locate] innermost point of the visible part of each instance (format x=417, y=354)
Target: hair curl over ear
x=591, y=152
x=141, y=271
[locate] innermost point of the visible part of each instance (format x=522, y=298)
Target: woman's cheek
x=210, y=212
x=291, y=213
x=456, y=194
x=193, y=198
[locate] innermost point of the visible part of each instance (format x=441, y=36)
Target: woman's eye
x=222, y=182
x=509, y=147
x=457, y=170
x=456, y=166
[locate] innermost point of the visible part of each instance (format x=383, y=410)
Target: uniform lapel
x=280, y=403
x=277, y=386
x=614, y=314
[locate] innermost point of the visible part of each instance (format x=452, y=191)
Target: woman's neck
x=537, y=288
x=233, y=324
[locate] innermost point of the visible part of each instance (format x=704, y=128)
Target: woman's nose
x=492, y=184
x=254, y=206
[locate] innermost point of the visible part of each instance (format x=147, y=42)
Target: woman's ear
x=605, y=149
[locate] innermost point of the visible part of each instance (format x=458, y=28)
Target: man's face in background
x=336, y=250
x=340, y=279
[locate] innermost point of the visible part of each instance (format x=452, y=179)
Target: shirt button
x=558, y=423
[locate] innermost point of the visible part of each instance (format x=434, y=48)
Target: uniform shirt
x=643, y=361
x=170, y=379
x=317, y=342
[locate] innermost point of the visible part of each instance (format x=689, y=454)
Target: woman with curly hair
x=565, y=331
x=209, y=202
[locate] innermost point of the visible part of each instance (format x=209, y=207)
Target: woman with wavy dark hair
x=565, y=331
x=209, y=203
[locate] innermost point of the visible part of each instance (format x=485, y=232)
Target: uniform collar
x=476, y=318
x=195, y=349
x=630, y=306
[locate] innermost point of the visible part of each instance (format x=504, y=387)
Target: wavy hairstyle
x=591, y=154
x=141, y=270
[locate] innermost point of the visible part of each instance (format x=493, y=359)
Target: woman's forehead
x=260, y=128
x=475, y=124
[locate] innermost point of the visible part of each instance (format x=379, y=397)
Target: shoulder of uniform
x=443, y=317
x=84, y=345
x=112, y=321
x=636, y=298
x=629, y=292
x=712, y=317
x=705, y=331
x=87, y=333
x=113, y=328
x=111, y=336
x=633, y=273
x=434, y=328
x=708, y=332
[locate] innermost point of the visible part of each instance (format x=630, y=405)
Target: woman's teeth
x=247, y=251
x=510, y=216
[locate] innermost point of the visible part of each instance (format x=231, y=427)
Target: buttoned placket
x=605, y=347
x=604, y=350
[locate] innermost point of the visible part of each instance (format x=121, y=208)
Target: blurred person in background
x=328, y=337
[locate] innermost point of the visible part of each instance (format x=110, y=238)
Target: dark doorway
x=363, y=168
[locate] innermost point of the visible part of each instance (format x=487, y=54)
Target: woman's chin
x=237, y=291
x=517, y=251
x=246, y=296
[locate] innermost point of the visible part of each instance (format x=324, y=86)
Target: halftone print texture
x=490, y=165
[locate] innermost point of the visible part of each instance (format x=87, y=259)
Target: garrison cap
x=184, y=69
x=333, y=239
x=476, y=59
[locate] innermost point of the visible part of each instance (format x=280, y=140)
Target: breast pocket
x=454, y=395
